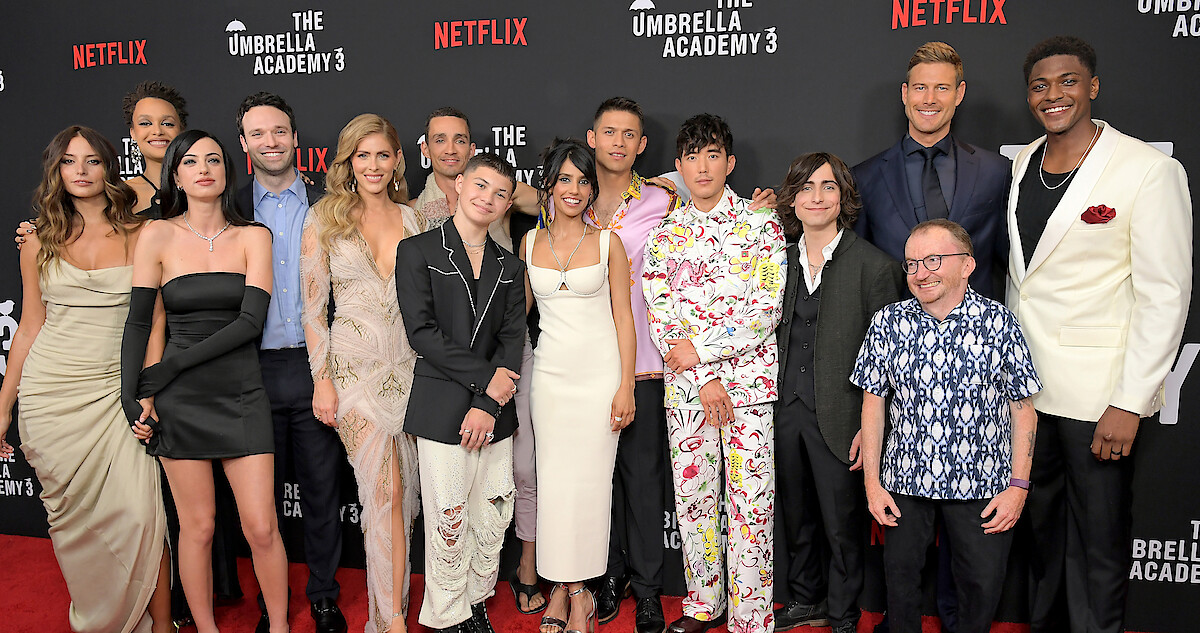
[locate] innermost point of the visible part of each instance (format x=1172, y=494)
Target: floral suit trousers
x=743, y=451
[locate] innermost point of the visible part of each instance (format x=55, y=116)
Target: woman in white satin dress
x=581, y=393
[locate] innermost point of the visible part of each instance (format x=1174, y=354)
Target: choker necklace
x=1042, y=166
x=466, y=243
x=205, y=237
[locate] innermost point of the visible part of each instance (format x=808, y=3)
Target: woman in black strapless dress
x=200, y=397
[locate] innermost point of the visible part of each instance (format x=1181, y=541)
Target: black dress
x=217, y=408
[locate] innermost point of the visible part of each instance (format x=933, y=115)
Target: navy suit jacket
x=980, y=206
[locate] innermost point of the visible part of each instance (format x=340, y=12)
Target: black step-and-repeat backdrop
x=790, y=77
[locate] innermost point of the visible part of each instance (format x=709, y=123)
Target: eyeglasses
x=932, y=263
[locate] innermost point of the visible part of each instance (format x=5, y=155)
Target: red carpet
x=35, y=600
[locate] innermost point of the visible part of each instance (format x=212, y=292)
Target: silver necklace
x=466, y=243
x=1042, y=166
x=205, y=237
x=562, y=269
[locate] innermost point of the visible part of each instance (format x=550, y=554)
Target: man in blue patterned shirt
x=962, y=433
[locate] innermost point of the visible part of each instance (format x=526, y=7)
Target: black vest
x=798, y=381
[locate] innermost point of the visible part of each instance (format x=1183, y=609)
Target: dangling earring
x=396, y=183
x=354, y=185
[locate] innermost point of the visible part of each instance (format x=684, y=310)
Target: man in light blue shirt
x=280, y=199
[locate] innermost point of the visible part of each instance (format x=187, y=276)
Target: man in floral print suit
x=713, y=283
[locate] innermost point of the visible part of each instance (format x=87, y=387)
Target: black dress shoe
x=846, y=627
x=796, y=614
x=264, y=624
x=688, y=624
x=649, y=615
x=609, y=594
x=327, y=616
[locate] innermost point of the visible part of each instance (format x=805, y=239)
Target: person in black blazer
x=897, y=185
x=279, y=196
x=835, y=283
x=462, y=299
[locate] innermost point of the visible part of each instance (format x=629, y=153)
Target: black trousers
x=638, y=502
x=822, y=508
x=1078, y=515
x=979, y=561
x=317, y=453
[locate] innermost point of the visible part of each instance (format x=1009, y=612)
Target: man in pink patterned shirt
x=713, y=282
x=632, y=207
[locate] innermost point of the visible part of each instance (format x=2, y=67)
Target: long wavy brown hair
x=334, y=213
x=58, y=224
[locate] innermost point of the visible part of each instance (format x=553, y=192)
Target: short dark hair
x=955, y=229
x=447, y=111
x=174, y=201
x=264, y=99
x=494, y=162
x=799, y=172
x=558, y=153
x=701, y=131
x=1061, y=45
x=621, y=104
x=154, y=90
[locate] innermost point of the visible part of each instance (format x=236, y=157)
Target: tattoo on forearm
x=1032, y=437
x=1020, y=404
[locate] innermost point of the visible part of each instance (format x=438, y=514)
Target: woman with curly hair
x=362, y=365
x=155, y=113
x=100, y=489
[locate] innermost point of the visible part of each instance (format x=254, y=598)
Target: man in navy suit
x=931, y=174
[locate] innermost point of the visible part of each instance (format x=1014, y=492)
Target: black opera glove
x=245, y=328
x=133, y=349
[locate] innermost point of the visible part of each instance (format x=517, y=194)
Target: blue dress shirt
x=284, y=214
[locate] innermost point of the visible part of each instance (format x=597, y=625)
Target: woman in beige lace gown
x=362, y=365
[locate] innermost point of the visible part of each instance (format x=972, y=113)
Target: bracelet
x=1019, y=483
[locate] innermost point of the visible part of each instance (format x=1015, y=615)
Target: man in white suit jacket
x=1100, y=279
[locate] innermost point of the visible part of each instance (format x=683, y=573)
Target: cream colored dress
x=366, y=353
x=576, y=372
x=100, y=488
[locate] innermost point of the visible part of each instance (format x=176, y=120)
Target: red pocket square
x=1098, y=214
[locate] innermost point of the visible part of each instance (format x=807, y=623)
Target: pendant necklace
x=562, y=269
x=205, y=237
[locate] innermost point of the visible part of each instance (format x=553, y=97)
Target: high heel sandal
x=559, y=625
x=591, y=617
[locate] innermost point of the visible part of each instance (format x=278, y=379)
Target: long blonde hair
x=334, y=213
x=57, y=224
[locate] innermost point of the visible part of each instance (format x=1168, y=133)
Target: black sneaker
x=649, y=617
x=795, y=614
x=609, y=594
x=478, y=622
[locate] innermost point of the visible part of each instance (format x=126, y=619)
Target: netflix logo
x=308, y=159
x=909, y=13
x=109, y=53
x=494, y=31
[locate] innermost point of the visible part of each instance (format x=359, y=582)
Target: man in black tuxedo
x=278, y=197
x=462, y=298
x=931, y=174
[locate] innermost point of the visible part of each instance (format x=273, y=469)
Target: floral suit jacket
x=717, y=278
